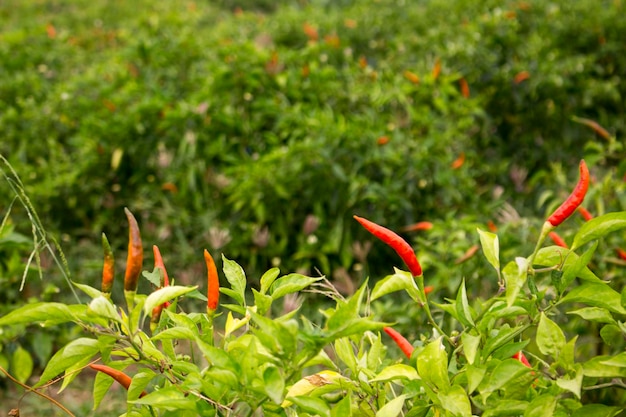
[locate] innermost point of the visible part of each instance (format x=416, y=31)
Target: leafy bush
x=217, y=116
x=546, y=340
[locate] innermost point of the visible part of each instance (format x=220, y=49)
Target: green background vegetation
x=228, y=125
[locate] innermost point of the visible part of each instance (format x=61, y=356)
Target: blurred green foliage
x=259, y=128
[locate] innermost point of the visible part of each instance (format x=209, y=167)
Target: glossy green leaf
x=599, y=227
x=550, y=337
x=168, y=398
x=101, y=385
x=345, y=352
x=102, y=307
x=263, y=302
x=313, y=405
x=541, y=406
x=597, y=410
x=393, y=408
x=475, y=375
x=594, y=314
x=491, y=248
x=551, y=256
x=618, y=360
x=274, y=384
x=573, y=384
x=432, y=365
x=139, y=382
x=515, y=274
x=471, y=344
x=604, y=367
x=343, y=408
x=237, y=280
x=462, y=306
x=596, y=295
x=397, y=371
x=572, y=270
x=290, y=284
x=507, y=408
x=164, y=294
x=505, y=372
x=21, y=364
x=37, y=313
x=400, y=280
x=181, y=333
x=455, y=401
x=268, y=279
x=71, y=353
x=90, y=291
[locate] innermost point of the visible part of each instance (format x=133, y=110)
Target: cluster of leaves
x=465, y=358
x=215, y=115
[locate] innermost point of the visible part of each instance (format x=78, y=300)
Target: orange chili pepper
x=393, y=240
x=405, y=346
x=465, y=90
x=123, y=379
x=156, y=311
x=574, y=200
x=213, y=291
x=418, y=226
x=134, y=261
x=557, y=239
x=585, y=213
x=108, y=268
x=621, y=253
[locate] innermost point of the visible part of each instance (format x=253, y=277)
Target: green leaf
x=541, y=406
x=345, y=352
x=21, y=364
x=574, y=384
x=176, y=333
x=312, y=405
x=164, y=294
x=168, y=398
x=550, y=337
x=432, y=365
x=262, y=301
x=618, y=360
x=598, y=227
x=462, y=306
x=504, y=336
x=237, y=279
x=475, y=375
x=571, y=271
x=90, y=291
x=471, y=344
x=71, y=353
x=397, y=371
x=289, y=284
x=555, y=255
x=604, y=367
x=400, y=280
x=102, y=307
x=155, y=277
x=507, y=408
x=37, y=313
x=597, y=410
x=268, y=278
x=139, y=383
x=455, y=401
x=346, y=310
x=594, y=314
x=596, y=295
x=343, y=408
x=491, y=248
x=393, y=408
x=101, y=385
x=506, y=371
x=515, y=274
x=274, y=384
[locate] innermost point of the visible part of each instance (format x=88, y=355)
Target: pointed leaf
x=515, y=274
x=598, y=227
x=393, y=408
x=550, y=337
x=102, y=307
x=462, y=306
x=456, y=401
x=432, y=365
x=164, y=294
x=268, y=279
x=71, y=353
x=541, y=406
x=289, y=284
x=397, y=371
x=400, y=280
x=470, y=346
x=237, y=279
x=21, y=364
x=38, y=312
x=596, y=295
x=491, y=248
x=274, y=384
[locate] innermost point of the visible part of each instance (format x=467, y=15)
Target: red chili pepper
x=574, y=200
x=621, y=253
x=585, y=213
x=403, y=344
x=108, y=268
x=393, y=240
x=522, y=358
x=418, y=226
x=558, y=240
x=428, y=289
x=213, y=292
x=123, y=379
x=134, y=261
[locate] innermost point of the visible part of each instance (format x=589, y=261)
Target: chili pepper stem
x=419, y=280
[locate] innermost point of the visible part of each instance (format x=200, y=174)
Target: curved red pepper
x=522, y=358
x=393, y=240
x=123, y=379
x=405, y=346
x=213, y=291
x=575, y=198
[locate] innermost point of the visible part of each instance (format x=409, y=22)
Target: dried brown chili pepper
x=393, y=240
